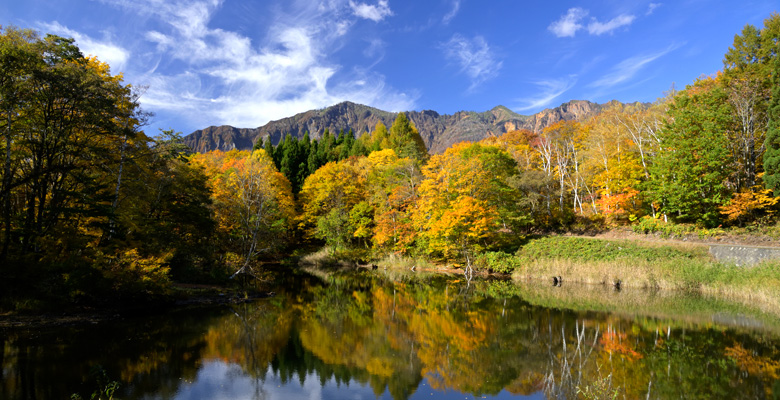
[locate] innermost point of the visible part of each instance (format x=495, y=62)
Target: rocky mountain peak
x=439, y=131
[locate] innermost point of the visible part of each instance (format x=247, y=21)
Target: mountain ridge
x=439, y=131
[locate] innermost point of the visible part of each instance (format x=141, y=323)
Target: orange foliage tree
x=749, y=203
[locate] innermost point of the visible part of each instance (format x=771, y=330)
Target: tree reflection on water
x=363, y=335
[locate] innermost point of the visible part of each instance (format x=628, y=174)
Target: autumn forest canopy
x=93, y=206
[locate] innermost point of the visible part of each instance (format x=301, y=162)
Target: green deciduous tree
x=747, y=80
x=66, y=123
x=688, y=178
x=772, y=142
x=88, y=200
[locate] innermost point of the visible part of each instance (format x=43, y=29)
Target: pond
x=367, y=336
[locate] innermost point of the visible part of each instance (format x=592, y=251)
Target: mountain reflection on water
x=363, y=336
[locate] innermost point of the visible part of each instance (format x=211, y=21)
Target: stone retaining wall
x=743, y=255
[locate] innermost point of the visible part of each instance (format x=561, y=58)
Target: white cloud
x=105, y=50
x=375, y=13
x=163, y=42
x=368, y=87
x=226, y=78
x=597, y=28
x=550, y=90
x=651, y=8
x=569, y=24
x=450, y=15
x=628, y=68
x=475, y=58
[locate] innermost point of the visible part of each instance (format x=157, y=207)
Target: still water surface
x=363, y=336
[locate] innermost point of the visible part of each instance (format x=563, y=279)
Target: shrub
x=497, y=261
x=648, y=224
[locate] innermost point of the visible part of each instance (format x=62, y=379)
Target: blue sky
x=244, y=63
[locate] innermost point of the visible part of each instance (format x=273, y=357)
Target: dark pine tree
x=312, y=163
x=325, y=148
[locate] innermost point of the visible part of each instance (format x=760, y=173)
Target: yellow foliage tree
x=615, y=156
x=253, y=201
x=328, y=197
x=393, y=192
x=465, y=203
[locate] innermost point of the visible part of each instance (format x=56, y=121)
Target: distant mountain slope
x=438, y=131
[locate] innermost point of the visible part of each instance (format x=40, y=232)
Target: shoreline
x=642, y=274
x=95, y=315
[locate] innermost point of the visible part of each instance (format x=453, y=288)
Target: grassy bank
x=646, y=265
x=684, y=267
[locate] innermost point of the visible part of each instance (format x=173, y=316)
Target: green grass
x=576, y=249
x=581, y=249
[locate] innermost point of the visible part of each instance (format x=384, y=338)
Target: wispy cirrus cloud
x=375, y=13
x=475, y=58
x=598, y=28
x=225, y=77
x=572, y=22
x=375, y=49
x=104, y=49
x=569, y=23
x=628, y=68
x=549, y=90
x=651, y=8
x=452, y=13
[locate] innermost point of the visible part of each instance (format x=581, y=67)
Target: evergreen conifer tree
x=406, y=140
x=312, y=162
x=359, y=147
x=346, y=145
x=290, y=161
x=325, y=147
x=267, y=146
x=279, y=153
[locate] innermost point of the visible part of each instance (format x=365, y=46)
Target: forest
x=94, y=208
